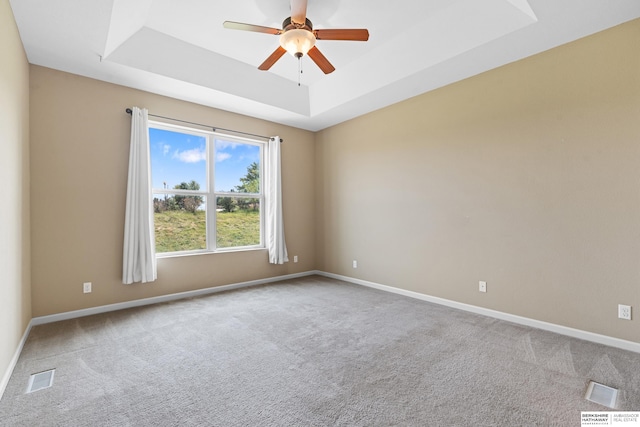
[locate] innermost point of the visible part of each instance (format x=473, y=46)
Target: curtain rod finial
x=128, y=111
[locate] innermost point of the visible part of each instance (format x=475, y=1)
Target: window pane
x=237, y=167
x=237, y=222
x=180, y=222
x=178, y=160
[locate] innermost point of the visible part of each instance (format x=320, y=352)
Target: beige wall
x=79, y=158
x=15, y=297
x=527, y=177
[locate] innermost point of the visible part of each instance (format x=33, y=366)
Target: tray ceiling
x=180, y=49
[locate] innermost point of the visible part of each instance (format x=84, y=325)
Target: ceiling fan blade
x=361, y=35
x=321, y=61
x=272, y=59
x=249, y=27
x=299, y=11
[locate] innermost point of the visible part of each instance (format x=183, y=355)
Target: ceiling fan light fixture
x=297, y=41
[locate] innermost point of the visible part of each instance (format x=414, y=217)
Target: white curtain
x=139, y=258
x=274, y=227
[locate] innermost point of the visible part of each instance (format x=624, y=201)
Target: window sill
x=196, y=253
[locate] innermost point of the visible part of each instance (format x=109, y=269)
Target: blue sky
x=179, y=157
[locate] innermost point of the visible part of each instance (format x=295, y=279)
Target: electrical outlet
x=624, y=312
x=355, y=264
x=86, y=287
x=482, y=286
x=295, y=258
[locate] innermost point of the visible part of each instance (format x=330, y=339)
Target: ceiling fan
x=298, y=37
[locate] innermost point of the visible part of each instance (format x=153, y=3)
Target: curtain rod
x=214, y=128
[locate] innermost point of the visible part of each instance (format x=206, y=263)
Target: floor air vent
x=602, y=394
x=40, y=381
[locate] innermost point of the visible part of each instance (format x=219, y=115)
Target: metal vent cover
x=41, y=380
x=602, y=394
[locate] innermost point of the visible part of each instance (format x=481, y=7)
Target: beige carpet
x=309, y=352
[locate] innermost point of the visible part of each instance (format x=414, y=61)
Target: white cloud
x=221, y=156
x=191, y=156
x=222, y=144
x=165, y=149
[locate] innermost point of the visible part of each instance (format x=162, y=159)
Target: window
x=207, y=190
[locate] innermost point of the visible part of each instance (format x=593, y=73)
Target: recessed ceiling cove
x=181, y=49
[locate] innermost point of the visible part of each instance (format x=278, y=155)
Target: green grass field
x=184, y=231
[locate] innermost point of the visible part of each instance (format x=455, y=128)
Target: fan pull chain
x=299, y=69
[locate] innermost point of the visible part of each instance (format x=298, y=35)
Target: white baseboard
x=552, y=327
x=162, y=298
x=14, y=361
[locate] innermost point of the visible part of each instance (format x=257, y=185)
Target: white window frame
x=210, y=194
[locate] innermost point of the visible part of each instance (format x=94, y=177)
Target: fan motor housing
x=288, y=24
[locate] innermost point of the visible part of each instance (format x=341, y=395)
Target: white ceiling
x=180, y=48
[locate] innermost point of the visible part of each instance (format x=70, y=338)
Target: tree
x=166, y=204
x=159, y=205
x=250, y=183
x=188, y=203
x=228, y=204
